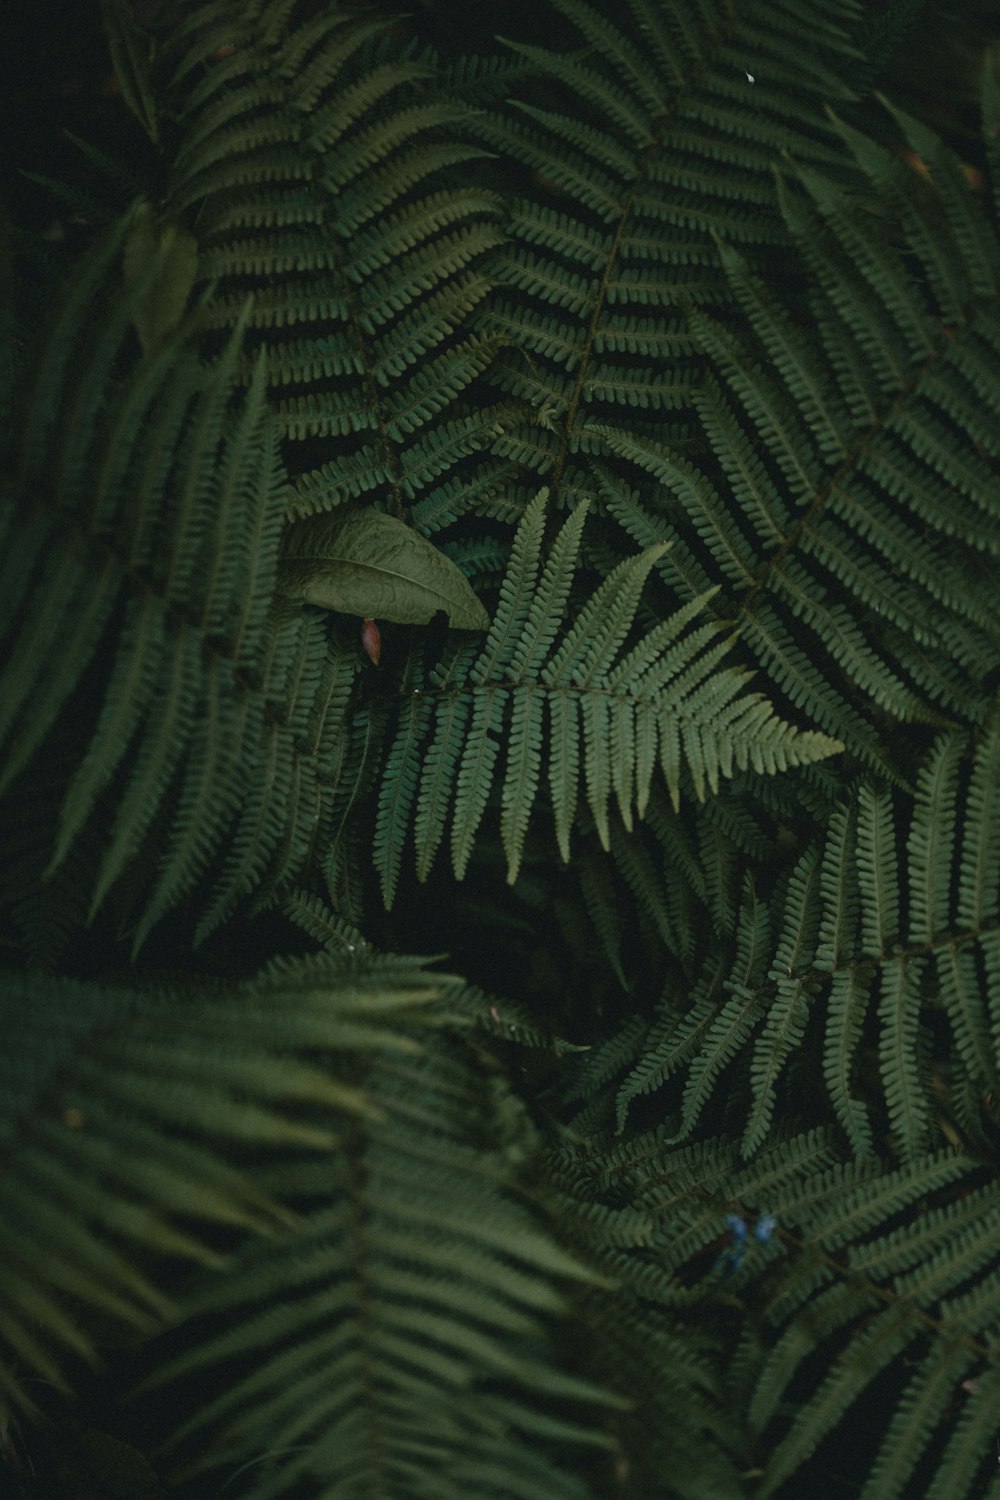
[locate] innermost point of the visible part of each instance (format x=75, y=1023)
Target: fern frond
x=666, y=700
x=173, y=544
x=788, y=1011
x=118, y=1137
x=835, y=424
x=445, y=1354
x=851, y=1287
x=318, y=163
x=841, y=945
x=903, y=1322
x=641, y=152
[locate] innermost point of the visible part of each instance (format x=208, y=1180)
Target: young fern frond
x=556, y=689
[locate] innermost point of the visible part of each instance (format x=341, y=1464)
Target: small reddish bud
x=915, y=160
x=371, y=641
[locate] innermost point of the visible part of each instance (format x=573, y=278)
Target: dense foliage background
x=501, y=878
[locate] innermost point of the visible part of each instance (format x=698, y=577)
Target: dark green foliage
x=318, y=165
x=403, y=1318
x=159, y=516
x=642, y=383
x=175, y=1071
x=666, y=705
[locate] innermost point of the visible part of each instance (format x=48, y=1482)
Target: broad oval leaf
x=160, y=264
x=362, y=562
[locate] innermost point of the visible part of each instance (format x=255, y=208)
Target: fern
x=662, y=703
x=636, y=383
x=829, y=431
x=854, y=941
x=863, y=1292
x=684, y=109
x=404, y=1321
x=887, y=1302
x=160, y=516
x=118, y=1139
x=319, y=168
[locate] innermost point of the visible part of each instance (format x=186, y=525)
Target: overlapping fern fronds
x=882, y=932
x=649, y=131
x=752, y=355
x=146, y=507
x=403, y=1328
x=870, y=1278
x=850, y=500
x=813, y=474
x=123, y=1116
x=320, y=164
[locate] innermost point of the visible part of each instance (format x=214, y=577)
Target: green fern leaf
x=175, y=540
x=788, y=1008
x=671, y=688
x=116, y=1137
x=877, y=877
x=318, y=162
x=460, y=1282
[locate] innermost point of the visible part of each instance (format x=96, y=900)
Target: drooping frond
x=399, y=1335
x=121, y=1113
x=146, y=511
x=557, y=692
